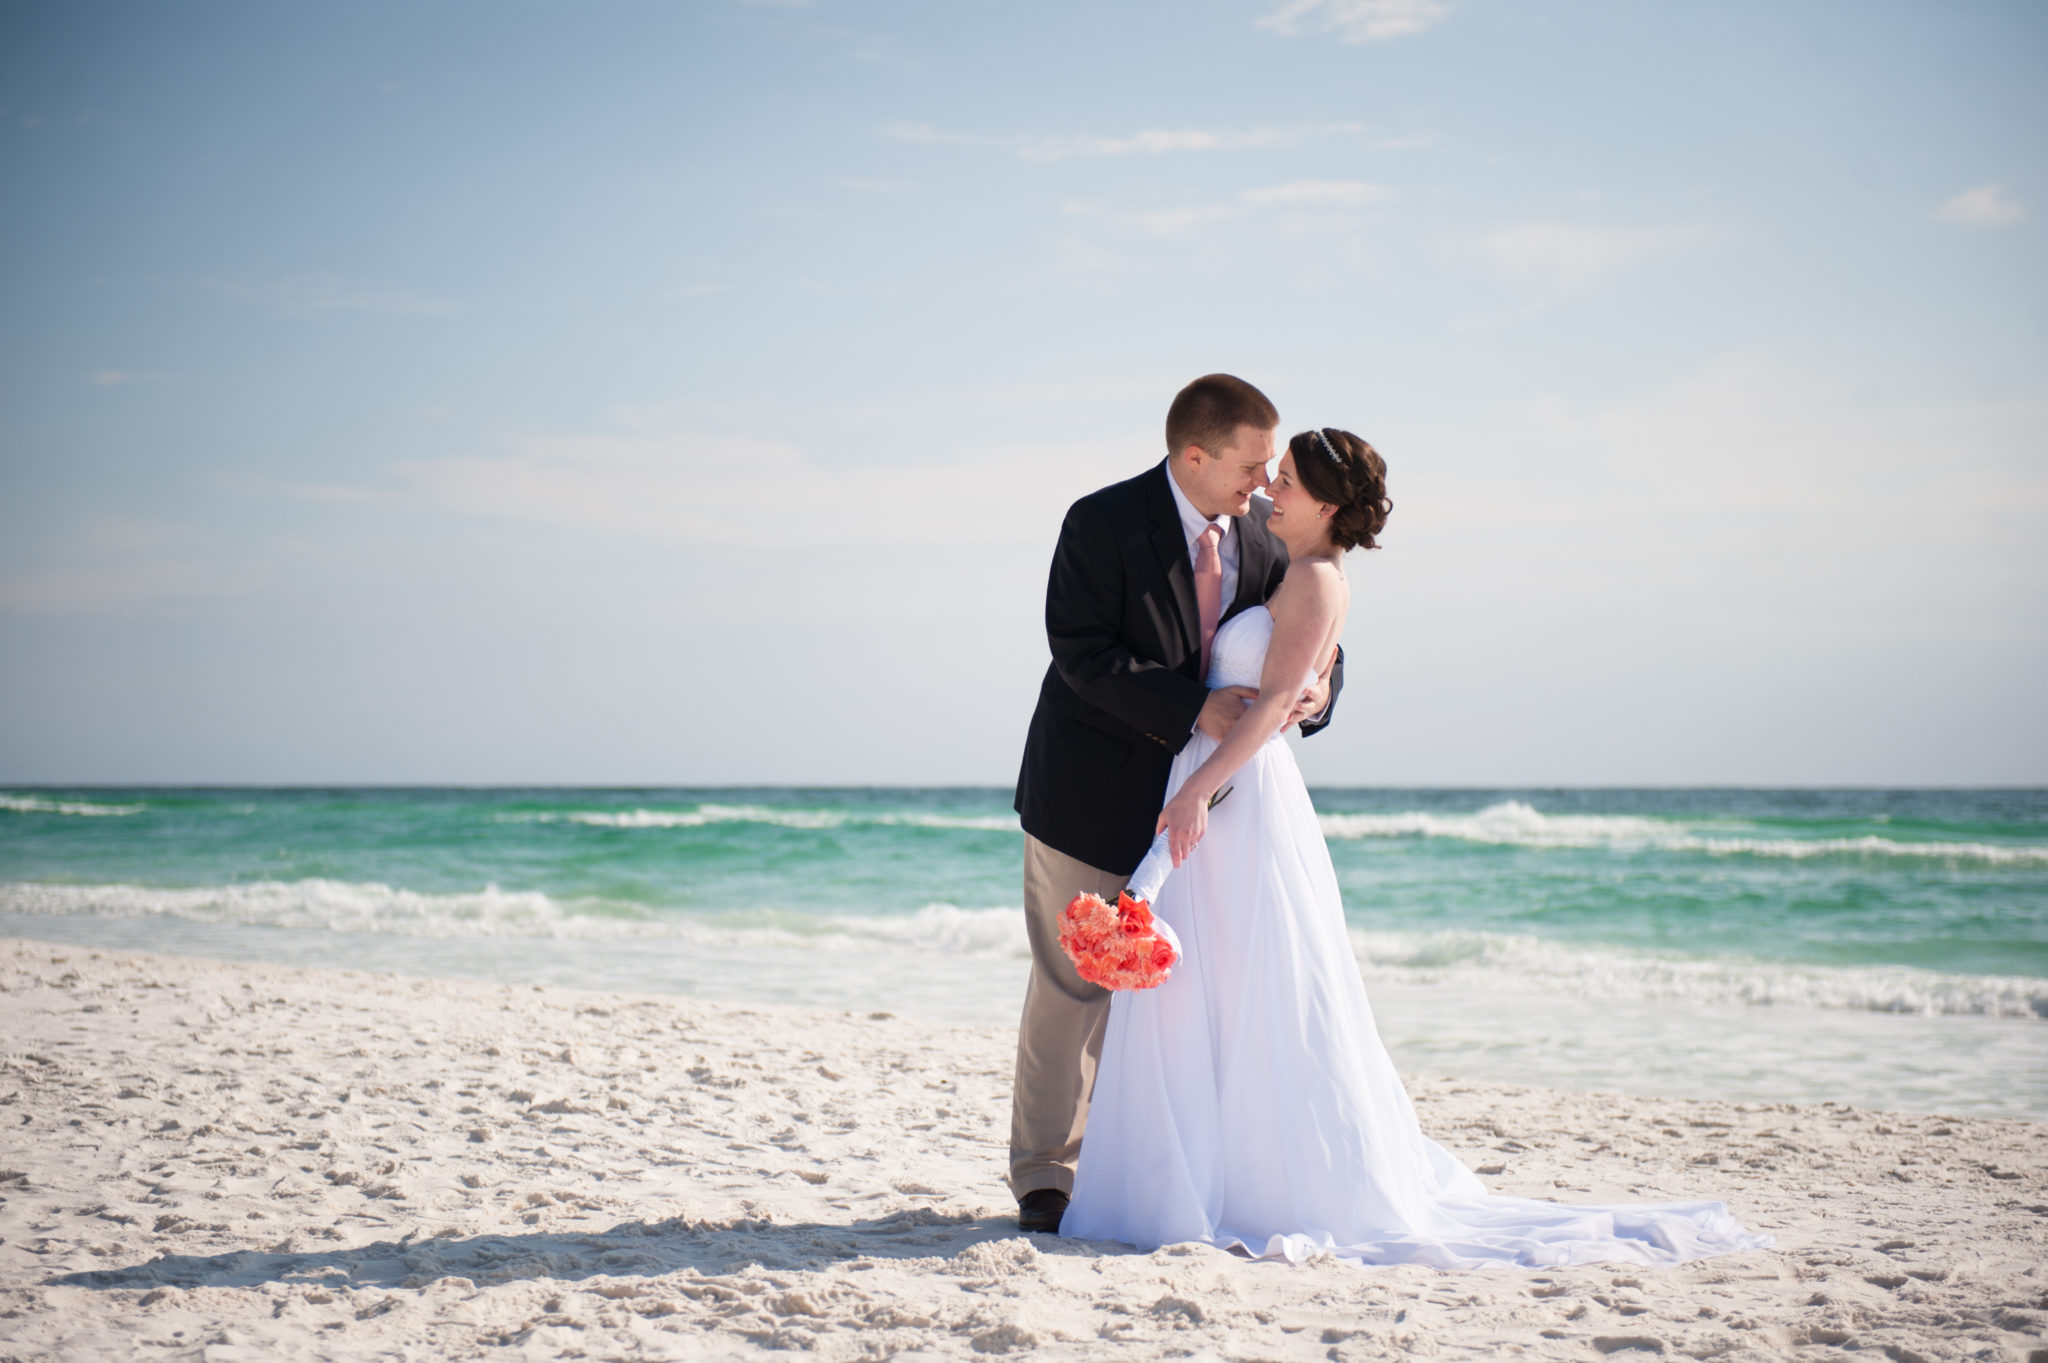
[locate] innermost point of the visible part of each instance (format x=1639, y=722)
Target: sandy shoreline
x=224, y=1161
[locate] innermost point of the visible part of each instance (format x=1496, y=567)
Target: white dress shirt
x=1193, y=523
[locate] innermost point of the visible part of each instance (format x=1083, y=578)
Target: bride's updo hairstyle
x=1338, y=468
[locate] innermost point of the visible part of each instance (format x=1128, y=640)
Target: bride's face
x=1298, y=518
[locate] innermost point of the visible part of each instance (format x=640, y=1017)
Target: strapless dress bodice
x=1237, y=655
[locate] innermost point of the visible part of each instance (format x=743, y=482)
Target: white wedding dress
x=1248, y=1101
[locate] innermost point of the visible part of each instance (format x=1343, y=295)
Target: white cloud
x=94, y=591
x=957, y=405
x=317, y=293
x=710, y=490
x=1148, y=142
x=1318, y=192
x=865, y=185
x=1357, y=21
x=1564, y=257
x=1985, y=206
x=1769, y=569
x=1165, y=222
x=1155, y=141
x=1174, y=222
x=1071, y=254
x=116, y=564
x=926, y=133
x=600, y=484
x=1759, y=484
x=136, y=535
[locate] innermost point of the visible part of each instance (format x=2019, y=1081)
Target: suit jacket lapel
x=1255, y=546
x=1170, y=542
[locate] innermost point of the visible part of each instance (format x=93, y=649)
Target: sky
x=690, y=393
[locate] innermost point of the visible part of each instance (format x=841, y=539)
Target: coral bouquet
x=1126, y=947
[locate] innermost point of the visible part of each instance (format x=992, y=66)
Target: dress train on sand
x=1248, y=1102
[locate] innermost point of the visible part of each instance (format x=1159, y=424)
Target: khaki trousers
x=1059, y=1040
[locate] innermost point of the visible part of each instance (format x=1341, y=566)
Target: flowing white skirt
x=1249, y=1103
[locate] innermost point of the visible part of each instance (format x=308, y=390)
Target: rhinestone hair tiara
x=1329, y=449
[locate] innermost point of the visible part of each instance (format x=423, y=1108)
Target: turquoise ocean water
x=1883, y=948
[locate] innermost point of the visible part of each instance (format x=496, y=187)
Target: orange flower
x=1120, y=948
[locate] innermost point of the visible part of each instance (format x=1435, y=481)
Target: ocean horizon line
x=1598, y=786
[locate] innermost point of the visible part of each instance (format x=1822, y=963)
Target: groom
x=1144, y=573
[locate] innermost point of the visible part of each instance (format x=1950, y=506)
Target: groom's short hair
x=1208, y=412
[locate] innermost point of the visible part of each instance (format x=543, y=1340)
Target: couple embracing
x=1247, y=1102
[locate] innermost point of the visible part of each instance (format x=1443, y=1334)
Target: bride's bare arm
x=1307, y=611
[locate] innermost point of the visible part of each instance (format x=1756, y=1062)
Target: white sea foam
x=703, y=815
x=991, y=823
x=331, y=905
x=1509, y=822
x=1518, y=963
x=710, y=814
x=1996, y=854
x=345, y=906
x=937, y=936
x=1515, y=824
x=31, y=804
x=939, y=929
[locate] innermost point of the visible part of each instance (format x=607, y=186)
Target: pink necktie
x=1209, y=587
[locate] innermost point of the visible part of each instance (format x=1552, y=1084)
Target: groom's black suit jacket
x=1125, y=686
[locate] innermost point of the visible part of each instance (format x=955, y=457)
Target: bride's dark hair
x=1337, y=467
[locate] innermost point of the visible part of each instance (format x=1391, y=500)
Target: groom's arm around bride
x=1144, y=573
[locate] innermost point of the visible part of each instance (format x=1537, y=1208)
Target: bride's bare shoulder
x=1316, y=575
x=1313, y=587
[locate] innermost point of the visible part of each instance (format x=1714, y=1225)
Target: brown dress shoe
x=1040, y=1210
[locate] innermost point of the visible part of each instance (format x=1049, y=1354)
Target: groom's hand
x=1223, y=709
x=1313, y=701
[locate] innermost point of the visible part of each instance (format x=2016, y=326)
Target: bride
x=1248, y=1101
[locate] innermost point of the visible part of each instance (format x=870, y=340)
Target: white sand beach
x=217, y=1161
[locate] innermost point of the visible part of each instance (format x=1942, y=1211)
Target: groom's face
x=1221, y=482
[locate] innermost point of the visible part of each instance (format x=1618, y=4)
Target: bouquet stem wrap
x=1125, y=947
x=1152, y=871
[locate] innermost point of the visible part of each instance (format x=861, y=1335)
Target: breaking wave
x=946, y=937
x=1523, y=964
x=704, y=815
x=1511, y=823
x=33, y=804
x=1515, y=824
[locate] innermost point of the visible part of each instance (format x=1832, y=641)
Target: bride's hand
x=1185, y=819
